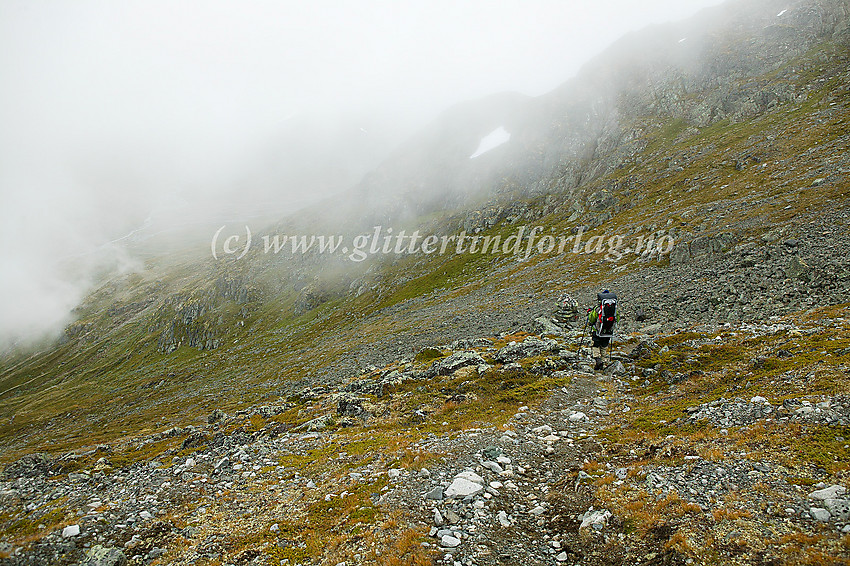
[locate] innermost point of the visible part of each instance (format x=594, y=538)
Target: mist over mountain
x=152, y=122
x=373, y=335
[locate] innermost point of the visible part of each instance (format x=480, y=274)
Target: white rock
x=503, y=519
x=819, y=514
x=839, y=508
x=448, y=541
x=537, y=511
x=71, y=531
x=393, y=473
x=493, y=467
x=274, y=528
x=462, y=487
x=759, y=400
x=145, y=515
x=545, y=429
x=562, y=557
x=831, y=492
x=471, y=476
x=595, y=517
x=578, y=417
x=551, y=438
x=496, y=484
x=438, y=518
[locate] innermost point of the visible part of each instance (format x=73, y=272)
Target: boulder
x=71, y=531
x=351, y=406
x=831, y=492
x=615, y=368
x=531, y=346
x=644, y=348
x=839, y=508
x=454, y=362
x=216, y=416
x=546, y=327
x=465, y=484
x=102, y=556
x=819, y=514
x=449, y=541
x=592, y=518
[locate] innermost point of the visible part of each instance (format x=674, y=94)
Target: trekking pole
x=583, y=332
x=581, y=341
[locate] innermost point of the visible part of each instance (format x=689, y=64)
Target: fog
x=123, y=119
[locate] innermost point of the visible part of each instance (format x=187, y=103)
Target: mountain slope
x=242, y=330
x=731, y=149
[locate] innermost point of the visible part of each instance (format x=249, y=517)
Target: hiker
x=603, y=318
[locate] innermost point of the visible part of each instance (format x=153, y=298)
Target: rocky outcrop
x=529, y=347
x=453, y=363
x=29, y=466
x=198, y=335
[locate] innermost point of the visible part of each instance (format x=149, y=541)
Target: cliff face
x=728, y=63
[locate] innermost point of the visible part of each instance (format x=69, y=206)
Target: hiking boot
x=598, y=365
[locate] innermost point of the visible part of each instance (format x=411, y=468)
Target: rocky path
x=390, y=465
x=492, y=506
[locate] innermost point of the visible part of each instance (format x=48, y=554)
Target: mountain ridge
x=754, y=200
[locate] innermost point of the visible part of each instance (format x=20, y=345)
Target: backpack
x=606, y=318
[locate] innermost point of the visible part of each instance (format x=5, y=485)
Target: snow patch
x=683, y=39
x=782, y=12
x=492, y=140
